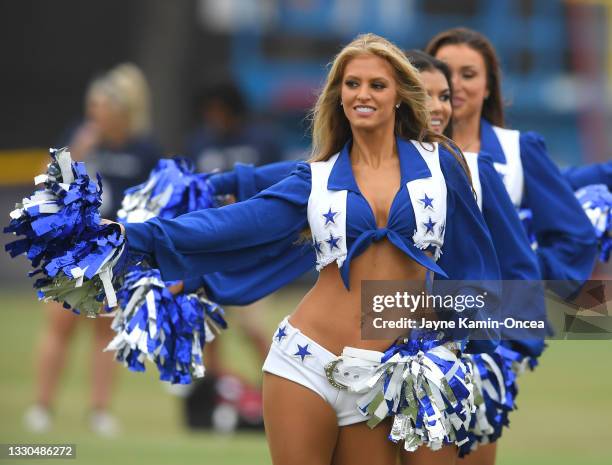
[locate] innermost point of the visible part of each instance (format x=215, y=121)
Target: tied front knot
x=380, y=234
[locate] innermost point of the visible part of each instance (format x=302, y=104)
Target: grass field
x=565, y=414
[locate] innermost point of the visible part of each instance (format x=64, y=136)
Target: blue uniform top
x=567, y=245
x=261, y=232
x=523, y=300
x=597, y=173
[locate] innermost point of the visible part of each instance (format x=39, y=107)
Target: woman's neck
x=373, y=147
x=466, y=133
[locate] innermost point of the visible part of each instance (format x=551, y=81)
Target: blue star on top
x=281, y=333
x=430, y=226
x=329, y=216
x=333, y=242
x=427, y=202
x=302, y=352
x=442, y=228
x=317, y=245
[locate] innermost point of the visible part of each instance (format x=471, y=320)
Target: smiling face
x=439, y=101
x=469, y=75
x=369, y=93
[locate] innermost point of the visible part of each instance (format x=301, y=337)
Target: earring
x=341, y=103
x=398, y=105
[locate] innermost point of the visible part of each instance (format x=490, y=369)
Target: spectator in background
x=226, y=134
x=114, y=140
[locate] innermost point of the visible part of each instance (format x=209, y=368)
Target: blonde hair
x=330, y=127
x=126, y=86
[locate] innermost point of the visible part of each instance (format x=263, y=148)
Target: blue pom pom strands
x=495, y=391
x=596, y=200
x=169, y=330
x=421, y=382
x=171, y=190
x=64, y=240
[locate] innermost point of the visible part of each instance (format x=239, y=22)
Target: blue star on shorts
x=302, y=352
x=281, y=333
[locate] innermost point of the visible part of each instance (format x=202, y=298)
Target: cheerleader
x=517, y=261
x=379, y=199
x=566, y=244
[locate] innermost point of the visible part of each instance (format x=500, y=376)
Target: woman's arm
x=581, y=176
x=245, y=181
x=567, y=246
x=227, y=238
x=468, y=256
x=249, y=284
x=523, y=293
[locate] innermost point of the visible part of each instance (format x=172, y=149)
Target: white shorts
x=296, y=357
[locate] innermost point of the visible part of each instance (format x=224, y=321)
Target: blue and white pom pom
x=169, y=330
x=421, y=382
x=171, y=190
x=596, y=200
x=68, y=247
x=495, y=391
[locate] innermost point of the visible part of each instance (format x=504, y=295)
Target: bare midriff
x=331, y=315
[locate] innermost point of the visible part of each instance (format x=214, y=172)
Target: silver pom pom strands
x=421, y=383
x=169, y=330
x=152, y=323
x=64, y=240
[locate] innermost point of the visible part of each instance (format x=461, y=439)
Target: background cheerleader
x=114, y=140
x=566, y=244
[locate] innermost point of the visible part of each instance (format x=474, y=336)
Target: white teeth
x=364, y=109
x=436, y=122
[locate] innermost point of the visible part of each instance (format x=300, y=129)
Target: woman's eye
x=444, y=98
x=351, y=84
x=378, y=85
x=468, y=75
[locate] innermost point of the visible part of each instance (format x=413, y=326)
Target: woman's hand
x=177, y=288
x=121, y=227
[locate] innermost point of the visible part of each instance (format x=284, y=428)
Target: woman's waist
x=332, y=316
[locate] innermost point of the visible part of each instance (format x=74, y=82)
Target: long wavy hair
x=493, y=106
x=330, y=127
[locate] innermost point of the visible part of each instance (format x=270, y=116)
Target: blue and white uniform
x=566, y=243
x=434, y=210
x=522, y=297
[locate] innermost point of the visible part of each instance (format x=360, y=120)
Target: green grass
x=564, y=417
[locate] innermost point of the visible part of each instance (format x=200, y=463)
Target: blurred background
x=232, y=80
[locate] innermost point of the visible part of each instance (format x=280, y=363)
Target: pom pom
x=171, y=190
x=495, y=391
x=596, y=200
x=64, y=240
x=421, y=382
x=169, y=330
